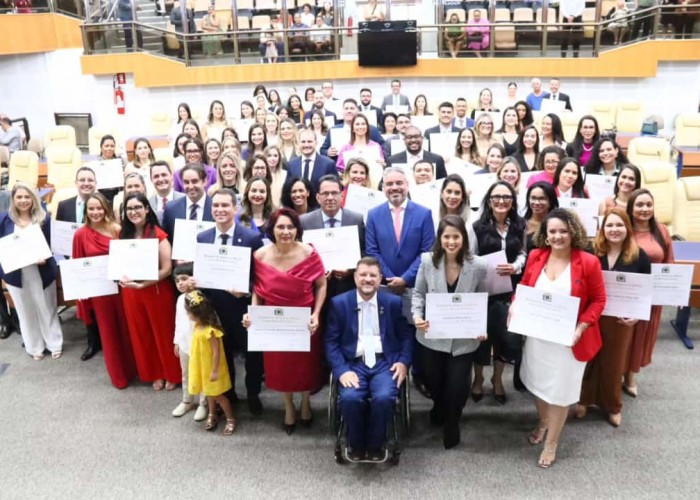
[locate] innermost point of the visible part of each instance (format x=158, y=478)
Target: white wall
x=38, y=85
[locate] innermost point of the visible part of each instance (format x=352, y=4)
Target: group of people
x=367, y=325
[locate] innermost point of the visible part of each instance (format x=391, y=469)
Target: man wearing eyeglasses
x=331, y=215
x=413, y=139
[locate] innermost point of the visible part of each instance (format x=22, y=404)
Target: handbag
x=475, y=36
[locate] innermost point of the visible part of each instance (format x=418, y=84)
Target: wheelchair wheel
x=405, y=408
x=332, y=407
x=338, y=455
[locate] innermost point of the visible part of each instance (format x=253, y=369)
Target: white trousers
x=36, y=310
x=185, y=368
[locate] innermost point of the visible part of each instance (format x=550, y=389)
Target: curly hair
x=579, y=238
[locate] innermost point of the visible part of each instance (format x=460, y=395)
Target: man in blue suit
x=319, y=105
x=310, y=165
x=195, y=206
x=230, y=305
x=397, y=233
x=350, y=110
x=368, y=347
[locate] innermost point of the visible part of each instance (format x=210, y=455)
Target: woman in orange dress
x=654, y=239
x=92, y=240
x=290, y=273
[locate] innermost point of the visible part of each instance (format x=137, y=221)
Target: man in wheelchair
x=368, y=346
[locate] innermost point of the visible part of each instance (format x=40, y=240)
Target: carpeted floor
x=66, y=433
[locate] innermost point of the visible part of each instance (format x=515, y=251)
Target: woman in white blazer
x=449, y=268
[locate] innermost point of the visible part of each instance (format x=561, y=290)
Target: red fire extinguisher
x=119, y=93
x=350, y=23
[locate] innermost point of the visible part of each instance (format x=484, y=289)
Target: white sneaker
x=182, y=408
x=201, y=413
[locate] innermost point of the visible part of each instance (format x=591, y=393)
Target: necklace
x=587, y=149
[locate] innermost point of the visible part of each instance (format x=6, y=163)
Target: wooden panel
x=31, y=33
x=636, y=61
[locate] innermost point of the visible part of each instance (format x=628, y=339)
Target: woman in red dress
x=290, y=273
x=654, y=239
x=150, y=305
x=92, y=240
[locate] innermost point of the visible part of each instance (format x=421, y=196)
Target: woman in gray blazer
x=449, y=268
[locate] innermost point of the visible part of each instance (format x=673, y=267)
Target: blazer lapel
x=441, y=281
x=465, y=279
x=352, y=306
x=383, y=319
x=407, y=216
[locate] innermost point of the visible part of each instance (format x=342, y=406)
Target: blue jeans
x=367, y=423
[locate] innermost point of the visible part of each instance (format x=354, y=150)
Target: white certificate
x=339, y=247
x=671, y=284
x=135, y=260
x=185, y=238
x=339, y=137
x=401, y=109
x=443, y=144
x=629, y=295
x=279, y=329
x=600, y=186
x=108, y=173
x=424, y=122
x=397, y=146
x=334, y=106
x=586, y=209
x=361, y=199
x=86, y=278
x=477, y=185
x=242, y=128
x=62, y=233
x=222, y=267
x=23, y=248
x=371, y=115
x=544, y=315
x=550, y=106
x=496, y=283
x=456, y=315
x=428, y=195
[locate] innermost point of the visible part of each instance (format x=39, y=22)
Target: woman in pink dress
x=478, y=33
x=92, y=240
x=290, y=273
x=652, y=237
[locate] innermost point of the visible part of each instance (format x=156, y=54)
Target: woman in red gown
x=92, y=240
x=290, y=273
x=652, y=237
x=150, y=305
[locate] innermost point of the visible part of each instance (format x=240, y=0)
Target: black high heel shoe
x=306, y=422
x=289, y=428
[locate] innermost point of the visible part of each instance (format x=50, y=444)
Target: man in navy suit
x=350, y=111
x=310, y=165
x=319, y=105
x=195, y=206
x=368, y=347
x=366, y=107
x=414, y=153
x=73, y=210
x=231, y=305
x=445, y=115
x=555, y=95
x=397, y=233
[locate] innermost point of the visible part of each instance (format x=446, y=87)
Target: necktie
x=165, y=202
x=224, y=239
x=368, y=335
x=193, y=211
x=396, y=212
x=81, y=212
x=307, y=163
x=331, y=222
x=554, y=97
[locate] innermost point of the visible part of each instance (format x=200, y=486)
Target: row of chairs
x=203, y=5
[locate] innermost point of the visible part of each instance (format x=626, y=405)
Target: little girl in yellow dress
x=208, y=371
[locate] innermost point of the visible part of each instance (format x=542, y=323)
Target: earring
x=546, y=241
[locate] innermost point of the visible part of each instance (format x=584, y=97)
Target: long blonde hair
x=37, y=213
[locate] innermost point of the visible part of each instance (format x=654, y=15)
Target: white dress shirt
x=338, y=219
x=375, y=325
x=217, y=239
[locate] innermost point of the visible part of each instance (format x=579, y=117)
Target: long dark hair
x=529, y=119
x=557, y=128
x=286, y=197
x=637, y=177
x=594, y=163
x=549, y=192
x=457, y=179
x=248, y=170
x=487, y=232
x=653, y=225
x=521, y=147
x=251, y=146
x=176, y=152
x=186, y=108
x=577, y=190
x=202, y=310
x=128, y=227
x=577, y=145
x=457, y=223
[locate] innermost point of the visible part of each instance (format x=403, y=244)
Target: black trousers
x=236, y=340
x=571, y=34
x=448, y=379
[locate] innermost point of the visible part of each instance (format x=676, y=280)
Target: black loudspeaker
x=387, y=43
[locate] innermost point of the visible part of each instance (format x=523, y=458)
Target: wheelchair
x=400, y=425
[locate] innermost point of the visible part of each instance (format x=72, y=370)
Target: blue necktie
x=193, y=211
x=306, y=169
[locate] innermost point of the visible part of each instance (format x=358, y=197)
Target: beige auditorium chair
x=34, y=144
x=60, y=135
x=161, y=121
x=504, y=34
x=686, y=208
x=606, y=114
x=164, y=154
x=62, y=165
x=642, y=150
x=630, y=116
x=58, y=196
x=659, y=177
x=687, y=130
x=569, y=124
x=24, y=167
x=95, y=135
x=551, y=19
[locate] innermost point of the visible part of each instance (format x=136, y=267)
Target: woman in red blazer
x=553, y=372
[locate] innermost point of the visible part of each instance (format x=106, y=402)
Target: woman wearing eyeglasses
x=483, y=129
x=194, y=154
